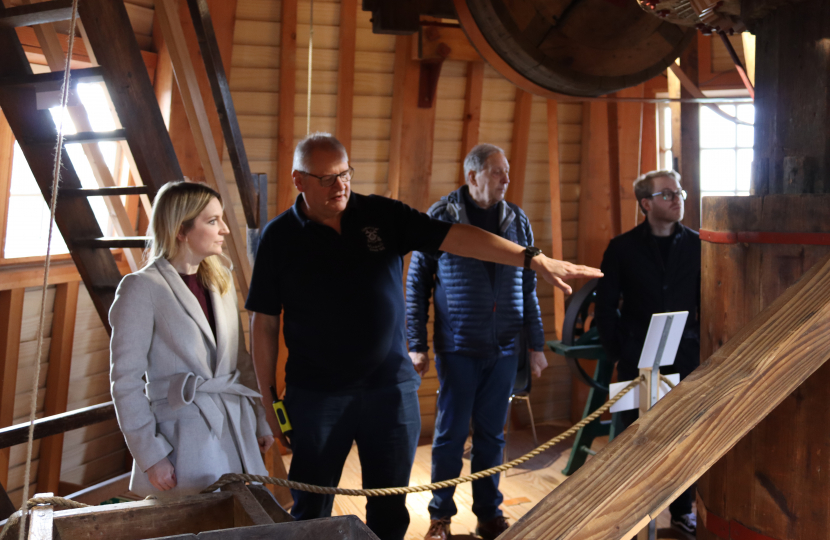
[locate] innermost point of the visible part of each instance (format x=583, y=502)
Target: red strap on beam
x=722, y=237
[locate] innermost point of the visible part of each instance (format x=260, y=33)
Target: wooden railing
x=647, y=466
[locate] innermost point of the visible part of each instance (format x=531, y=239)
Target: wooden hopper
x=585, y=48
x=237, y=512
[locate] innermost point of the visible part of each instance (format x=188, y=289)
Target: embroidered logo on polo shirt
x=373, y=241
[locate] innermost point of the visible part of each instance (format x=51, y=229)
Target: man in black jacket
x=653, y=268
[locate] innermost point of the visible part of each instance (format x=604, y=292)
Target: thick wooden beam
x=555, y=209
x=53, y=53
x=402, y=51
x=472, y=111
x=11, y=320
x=345, y=72
x=200, y=126
x=518, y=146
x=595, y=217
x=417, y=136
x=638, y=474
x=57, y=382
x=690, y=139
x=288, y=87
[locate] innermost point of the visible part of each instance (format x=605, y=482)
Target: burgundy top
x=201, y=294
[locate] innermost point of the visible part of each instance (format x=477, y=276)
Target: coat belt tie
x=187, y=388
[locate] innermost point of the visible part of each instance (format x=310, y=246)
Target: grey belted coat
x=205, y=421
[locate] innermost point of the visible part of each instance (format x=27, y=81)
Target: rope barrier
x=41, y=321
x=667, y=381
x=379, y=492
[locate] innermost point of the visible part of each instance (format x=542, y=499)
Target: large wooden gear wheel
x=574, y=47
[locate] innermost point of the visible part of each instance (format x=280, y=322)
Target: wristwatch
x=530, y=252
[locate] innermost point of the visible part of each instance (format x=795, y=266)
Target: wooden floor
x=522, y=487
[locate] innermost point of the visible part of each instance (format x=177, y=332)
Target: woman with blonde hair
x=182, y=381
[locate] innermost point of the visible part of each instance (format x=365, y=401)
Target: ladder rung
x=40, y=13
x=52, y=80
x=95, y=136
x=104, y=191
x=83, y=137
x=106, y=242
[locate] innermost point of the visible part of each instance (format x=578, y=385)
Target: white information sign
x=665, y=343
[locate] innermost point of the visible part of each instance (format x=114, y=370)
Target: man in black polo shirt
x=654, y=268
x=333, y=263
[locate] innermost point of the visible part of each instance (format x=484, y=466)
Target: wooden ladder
x=123, y=71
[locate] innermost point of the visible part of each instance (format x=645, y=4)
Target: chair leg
x=532, y=423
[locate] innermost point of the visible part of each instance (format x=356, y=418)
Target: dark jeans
x=477, y=389
x=682, y=505
x=385, y=423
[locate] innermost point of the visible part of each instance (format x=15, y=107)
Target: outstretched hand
x=555, y=272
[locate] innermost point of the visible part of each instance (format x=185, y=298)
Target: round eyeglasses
x=328, y=180
x=670, y=195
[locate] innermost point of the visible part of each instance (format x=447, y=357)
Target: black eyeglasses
x=329, y=179
x=669, y=195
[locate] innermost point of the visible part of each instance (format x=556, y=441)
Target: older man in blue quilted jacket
x=481, y=309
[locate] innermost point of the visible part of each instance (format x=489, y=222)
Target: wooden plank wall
x=26, y=367
x=372, y=106
x=97, y=452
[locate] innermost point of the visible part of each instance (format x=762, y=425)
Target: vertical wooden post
x=402, y=59
x=614, y=166
x=518, y=147
x=11, y=319
x=417, y=135
x=345, y=73
x=288, y=86
x=57, y=382
x=555, y=209
x=595, y=218
x=472, y=112
x=690, y=139
x=630, y=127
